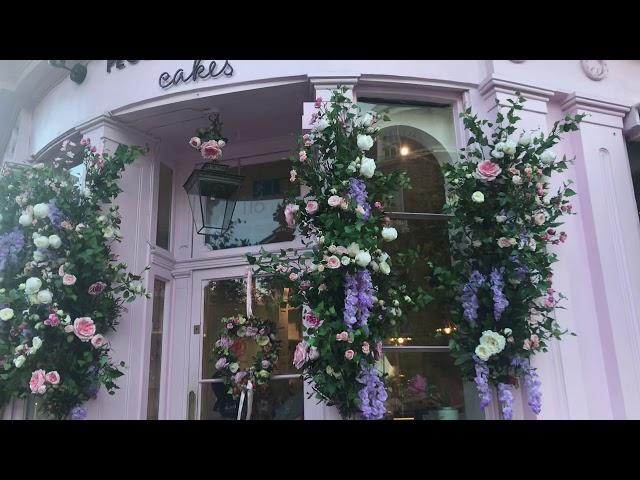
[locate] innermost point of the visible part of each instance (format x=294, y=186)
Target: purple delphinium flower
x=500, y=302
x=56, y=217
x=358, y=191
x=521, y=270
x=10, y=244
x=92, y=390
x=532, y=384
x=482, y=382
x=78, y=413
x=469, y=297
x=506, y=400
x=373, y=394
x=358, y=298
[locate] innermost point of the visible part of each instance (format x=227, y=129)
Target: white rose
x=108, y=232
x=525, y=140
x=548, y=156
x=101, y=219
x=38, y=256
x=233, y=368
x=32, y=285
x=22, y=286
x=37, y=343
x=353, y=249
x=517, y=180
x=389, y=234
x=365, y=142
x=501, y=218
x=6, y=314
x=532, y=245
x=55, y=242
x=345, y=260
x=493, y=341
x=383, y=257
x=476, y=243
x=41, y=210
x=41, y=242
x=384, y=268
x=19, y=361
x=363, y=258
x=507, y=331
x=509, y=147
x=539, y=218
x=483, y=352
x=45, y=297
x=25, y=220
x=477, y=197
x=497, y=154
x=367, y=167
x=321, y=124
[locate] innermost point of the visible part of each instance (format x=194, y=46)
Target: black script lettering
x=110, y=63
x=198, y=71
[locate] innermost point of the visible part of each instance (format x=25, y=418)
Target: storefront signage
x=167, y=80
x=198, y=71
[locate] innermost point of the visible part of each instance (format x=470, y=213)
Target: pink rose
x=487, y=171
x=342, y=250
x=365, y=348
x=68, y=279
x=379, y=206
x=221, y=363
x=504, y=242
x=312, y=207
x=211, y=150
x=53, y=320
x=333, y=262
x=318, y=102
x=36, y=384
x=307, y=139
x=348, y=354
x=289, y=214
x=535, y=341
x=305, y=285
x=52, y=377
x=293, y=276
x=302, y=155
x=66, y=225
x=526, y=345
x=342, y=337
x=549, y=302
x=300, y=355
x=334, y=200
x=98, y=341
x=68, y=328
x=97, y=288
x=195, y=142
x=84, y=328
x=311, y=321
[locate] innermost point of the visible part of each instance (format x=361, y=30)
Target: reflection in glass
x=165, y=192
x=155, y=355
x=279, y=399
x=259, y=213
x=427, y=386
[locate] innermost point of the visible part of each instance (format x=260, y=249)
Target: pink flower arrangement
x=53, y=320
x=333, y=262
x=311, y=321
x=349, y=354
x=69, y=279
x=312, y=207
x=98, y=341
x=195, y=142
x=37, y=382
x=97, y=288
x=52, y=377
x=302, y=155
x=342, y=337
x=300, y=355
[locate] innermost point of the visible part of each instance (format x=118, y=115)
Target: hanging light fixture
x=212, y=191
x=77, y=74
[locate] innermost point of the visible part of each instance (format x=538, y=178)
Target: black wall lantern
x=78, y=72
x=212, y=191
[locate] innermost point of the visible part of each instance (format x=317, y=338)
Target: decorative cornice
x=575, y=101
x=492, y=85
x=162, y=258
x=324, y=82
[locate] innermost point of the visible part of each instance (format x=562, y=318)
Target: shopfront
x=264, y=106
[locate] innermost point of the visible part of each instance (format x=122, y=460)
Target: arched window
x=423, y=381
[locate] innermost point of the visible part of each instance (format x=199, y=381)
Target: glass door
x=283, y=397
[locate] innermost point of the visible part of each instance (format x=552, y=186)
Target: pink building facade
x=166, y=341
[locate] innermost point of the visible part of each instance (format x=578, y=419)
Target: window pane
x=225, y=298
x=258, y=217
x=427, y=386
x=165, y=192
x=155, y=360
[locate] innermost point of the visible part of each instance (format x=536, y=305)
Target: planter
x=448, y=413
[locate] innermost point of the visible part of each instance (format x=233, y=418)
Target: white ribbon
x=249, y=292
x=249, y=394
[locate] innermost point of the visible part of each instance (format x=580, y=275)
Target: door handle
x=191, y=409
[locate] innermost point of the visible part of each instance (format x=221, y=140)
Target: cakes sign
x=198, y=71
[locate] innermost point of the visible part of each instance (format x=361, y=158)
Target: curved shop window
x=423, y=382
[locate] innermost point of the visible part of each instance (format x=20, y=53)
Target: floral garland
x=354, y=299
x=209, y=141
x=61, y=289
x=226, y=350
x=499, y=286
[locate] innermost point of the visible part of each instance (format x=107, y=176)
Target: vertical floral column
x=346, y=280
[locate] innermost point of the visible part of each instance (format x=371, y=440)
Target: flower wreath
x=226, y=352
